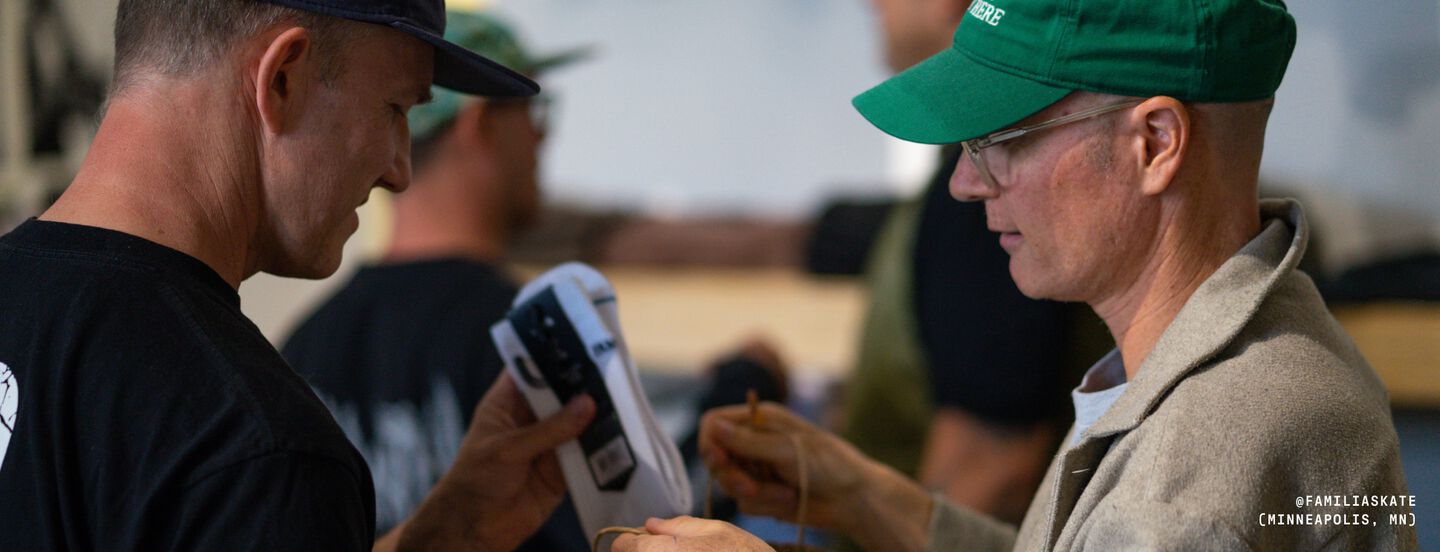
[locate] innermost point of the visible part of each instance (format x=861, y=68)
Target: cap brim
x=951, y=98
x=552, y=61
x=468, y=72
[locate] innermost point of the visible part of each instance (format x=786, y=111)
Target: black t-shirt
x=402, y=355
x=991, y=351
x=144, y=412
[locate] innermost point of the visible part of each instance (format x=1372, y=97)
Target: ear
x=285, y=76
x=1163, y=135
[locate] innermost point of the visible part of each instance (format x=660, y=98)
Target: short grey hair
x=176, y=38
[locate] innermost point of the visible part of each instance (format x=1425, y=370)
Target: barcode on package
x=611, y=461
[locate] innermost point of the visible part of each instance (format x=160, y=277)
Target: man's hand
x=730, y=446
x=688, y=534
x=848, y=492
x=505, y=481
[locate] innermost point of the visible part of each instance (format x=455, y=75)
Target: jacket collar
x=1213, y=315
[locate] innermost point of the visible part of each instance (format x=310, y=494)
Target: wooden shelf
x=1402, y=342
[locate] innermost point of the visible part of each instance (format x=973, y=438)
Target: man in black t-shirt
x=402, y=350
x=141, y=410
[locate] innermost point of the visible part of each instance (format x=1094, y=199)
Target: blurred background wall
x=692, y=107
x=697, y=106
x=1356, y=128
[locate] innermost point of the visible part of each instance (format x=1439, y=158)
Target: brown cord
x=801, y=508
x=595, y=545
x=709, y=500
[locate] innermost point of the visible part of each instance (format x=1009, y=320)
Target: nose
x=966, y=182
x=397, y=176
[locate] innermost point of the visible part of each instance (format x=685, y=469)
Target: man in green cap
x=401, y=352
x=1116, y=145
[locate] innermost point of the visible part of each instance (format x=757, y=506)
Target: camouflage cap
x=492, y=38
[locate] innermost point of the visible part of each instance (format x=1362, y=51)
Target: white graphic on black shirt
x=409, y=448
x=9, y=406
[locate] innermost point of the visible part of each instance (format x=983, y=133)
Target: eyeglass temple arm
x=1011, y=134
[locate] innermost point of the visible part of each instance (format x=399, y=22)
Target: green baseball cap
x=1013, y=58
x=488, y=36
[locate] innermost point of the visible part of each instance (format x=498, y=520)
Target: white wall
x=703, y=106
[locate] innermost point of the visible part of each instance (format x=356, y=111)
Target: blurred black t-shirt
x=143, y=411
x=402, y=355
x=991, y=351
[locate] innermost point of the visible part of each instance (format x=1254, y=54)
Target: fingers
x=649, y=543
x=740, y=457
x=503, y=398
x=735, y=482
x=688, y=534
x=740, y=484
x=549, y=474
x=741, y=441
x=765, y=498
x=685, y=533
x=772, y=500
x=685, y=526
x=525, y=443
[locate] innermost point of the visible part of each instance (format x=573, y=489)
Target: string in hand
x=761, y=471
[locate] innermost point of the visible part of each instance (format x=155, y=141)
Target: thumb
x=674, y=526
x=680, y=526
x=524, y=443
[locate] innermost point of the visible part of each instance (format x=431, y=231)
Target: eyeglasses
x=976, y=149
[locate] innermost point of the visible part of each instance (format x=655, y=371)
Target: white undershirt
x=1104, y=382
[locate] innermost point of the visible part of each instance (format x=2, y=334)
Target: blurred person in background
x=960, y=379
x=402, y=351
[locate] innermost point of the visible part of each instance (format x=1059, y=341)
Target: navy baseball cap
x=455, y=68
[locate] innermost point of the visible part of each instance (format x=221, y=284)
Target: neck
x=433, y=221
x=170, y=168
x=1187, y=251
x=421, y=245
